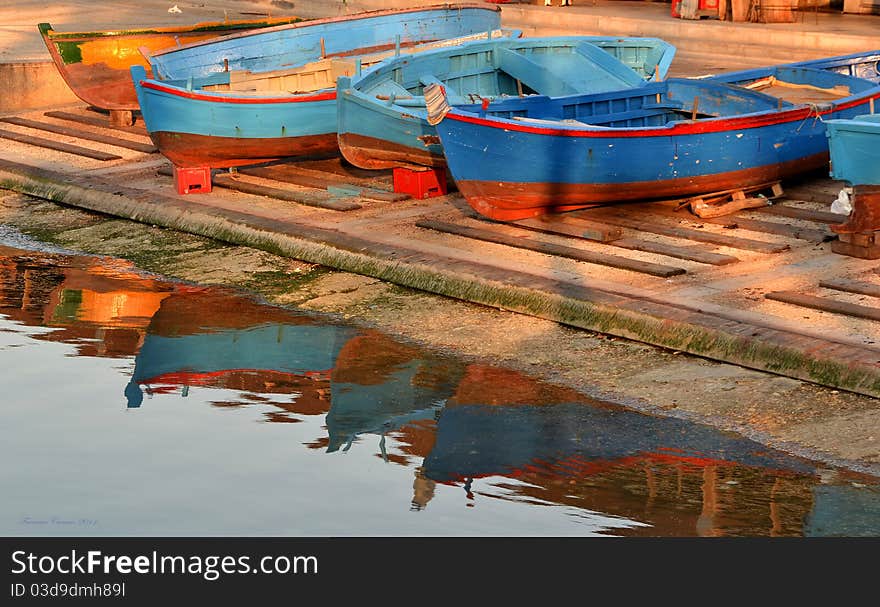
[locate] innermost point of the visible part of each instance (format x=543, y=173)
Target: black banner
x=146, y=570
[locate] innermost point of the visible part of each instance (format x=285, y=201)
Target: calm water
x=133, y=405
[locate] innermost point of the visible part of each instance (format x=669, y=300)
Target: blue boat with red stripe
x=382, y=120
x=521, y=158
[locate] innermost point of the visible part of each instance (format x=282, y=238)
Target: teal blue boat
x=382, y=120
x=855, y=149
x=854, y=145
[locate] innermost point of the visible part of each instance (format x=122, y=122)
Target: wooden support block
x=617, y=217
x=81, y=134
x=755, y=225
x=579, y=228
x=58, y=146
x=318, y=198
x=121, y=118
x=825, y=304
x=317, y=179
x=560, y=224
x=94, y=121
x=738, y=202
x=864, y=245
x=807, y=214
x=851, y=286
x=690, y=253
x=311, y=199
x=532, y=244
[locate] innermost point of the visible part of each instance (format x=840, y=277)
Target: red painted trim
x=194, y=378
x=224, y=98
x=712, y=125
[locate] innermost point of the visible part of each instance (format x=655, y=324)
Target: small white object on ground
x=842, y=204
x=174, y=9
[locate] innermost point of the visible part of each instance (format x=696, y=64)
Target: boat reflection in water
x=466, y=434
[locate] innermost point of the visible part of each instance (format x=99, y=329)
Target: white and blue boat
x=854, y=145
x=382, y=119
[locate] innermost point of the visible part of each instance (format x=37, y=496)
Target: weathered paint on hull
x=509, y=201
x=188, y=150
x=372, y=153
x=95, y=65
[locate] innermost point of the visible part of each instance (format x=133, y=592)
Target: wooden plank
x=825, y=304
x=532, y=244
x=612, y=236
x=95, y=121
x=146, y=148
x=312, y=199
x=753, y=225
x=316, y=179
x=58, y=146
x=613, y=217
x=851, y=286
x=808, y=214
x=559, y=224
x=338, y=166
x=690, y=253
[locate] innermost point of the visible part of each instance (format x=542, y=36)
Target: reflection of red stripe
x=321, y=96
x=575, y=467
x=197, y=379
x=683, y=128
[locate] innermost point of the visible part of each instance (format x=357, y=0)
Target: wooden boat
x=95, y=65
x=300, y=43
x=239, y=117
x=670, y=139
x=854, y=145
x=382, y=120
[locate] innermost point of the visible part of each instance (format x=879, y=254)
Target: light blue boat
x=855, y=149
x=274, y=96
x=299, y=43
x=382, y=120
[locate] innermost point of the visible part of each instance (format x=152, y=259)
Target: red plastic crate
x=420, y=183
x=705, y=8
x=192, y=180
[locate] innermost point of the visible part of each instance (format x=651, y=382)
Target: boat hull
x=95, y=65
x=188, y=150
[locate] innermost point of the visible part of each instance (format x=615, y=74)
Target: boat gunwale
x=50, y=34
x=717, y=124
x=235, y=96
x=340, y=18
